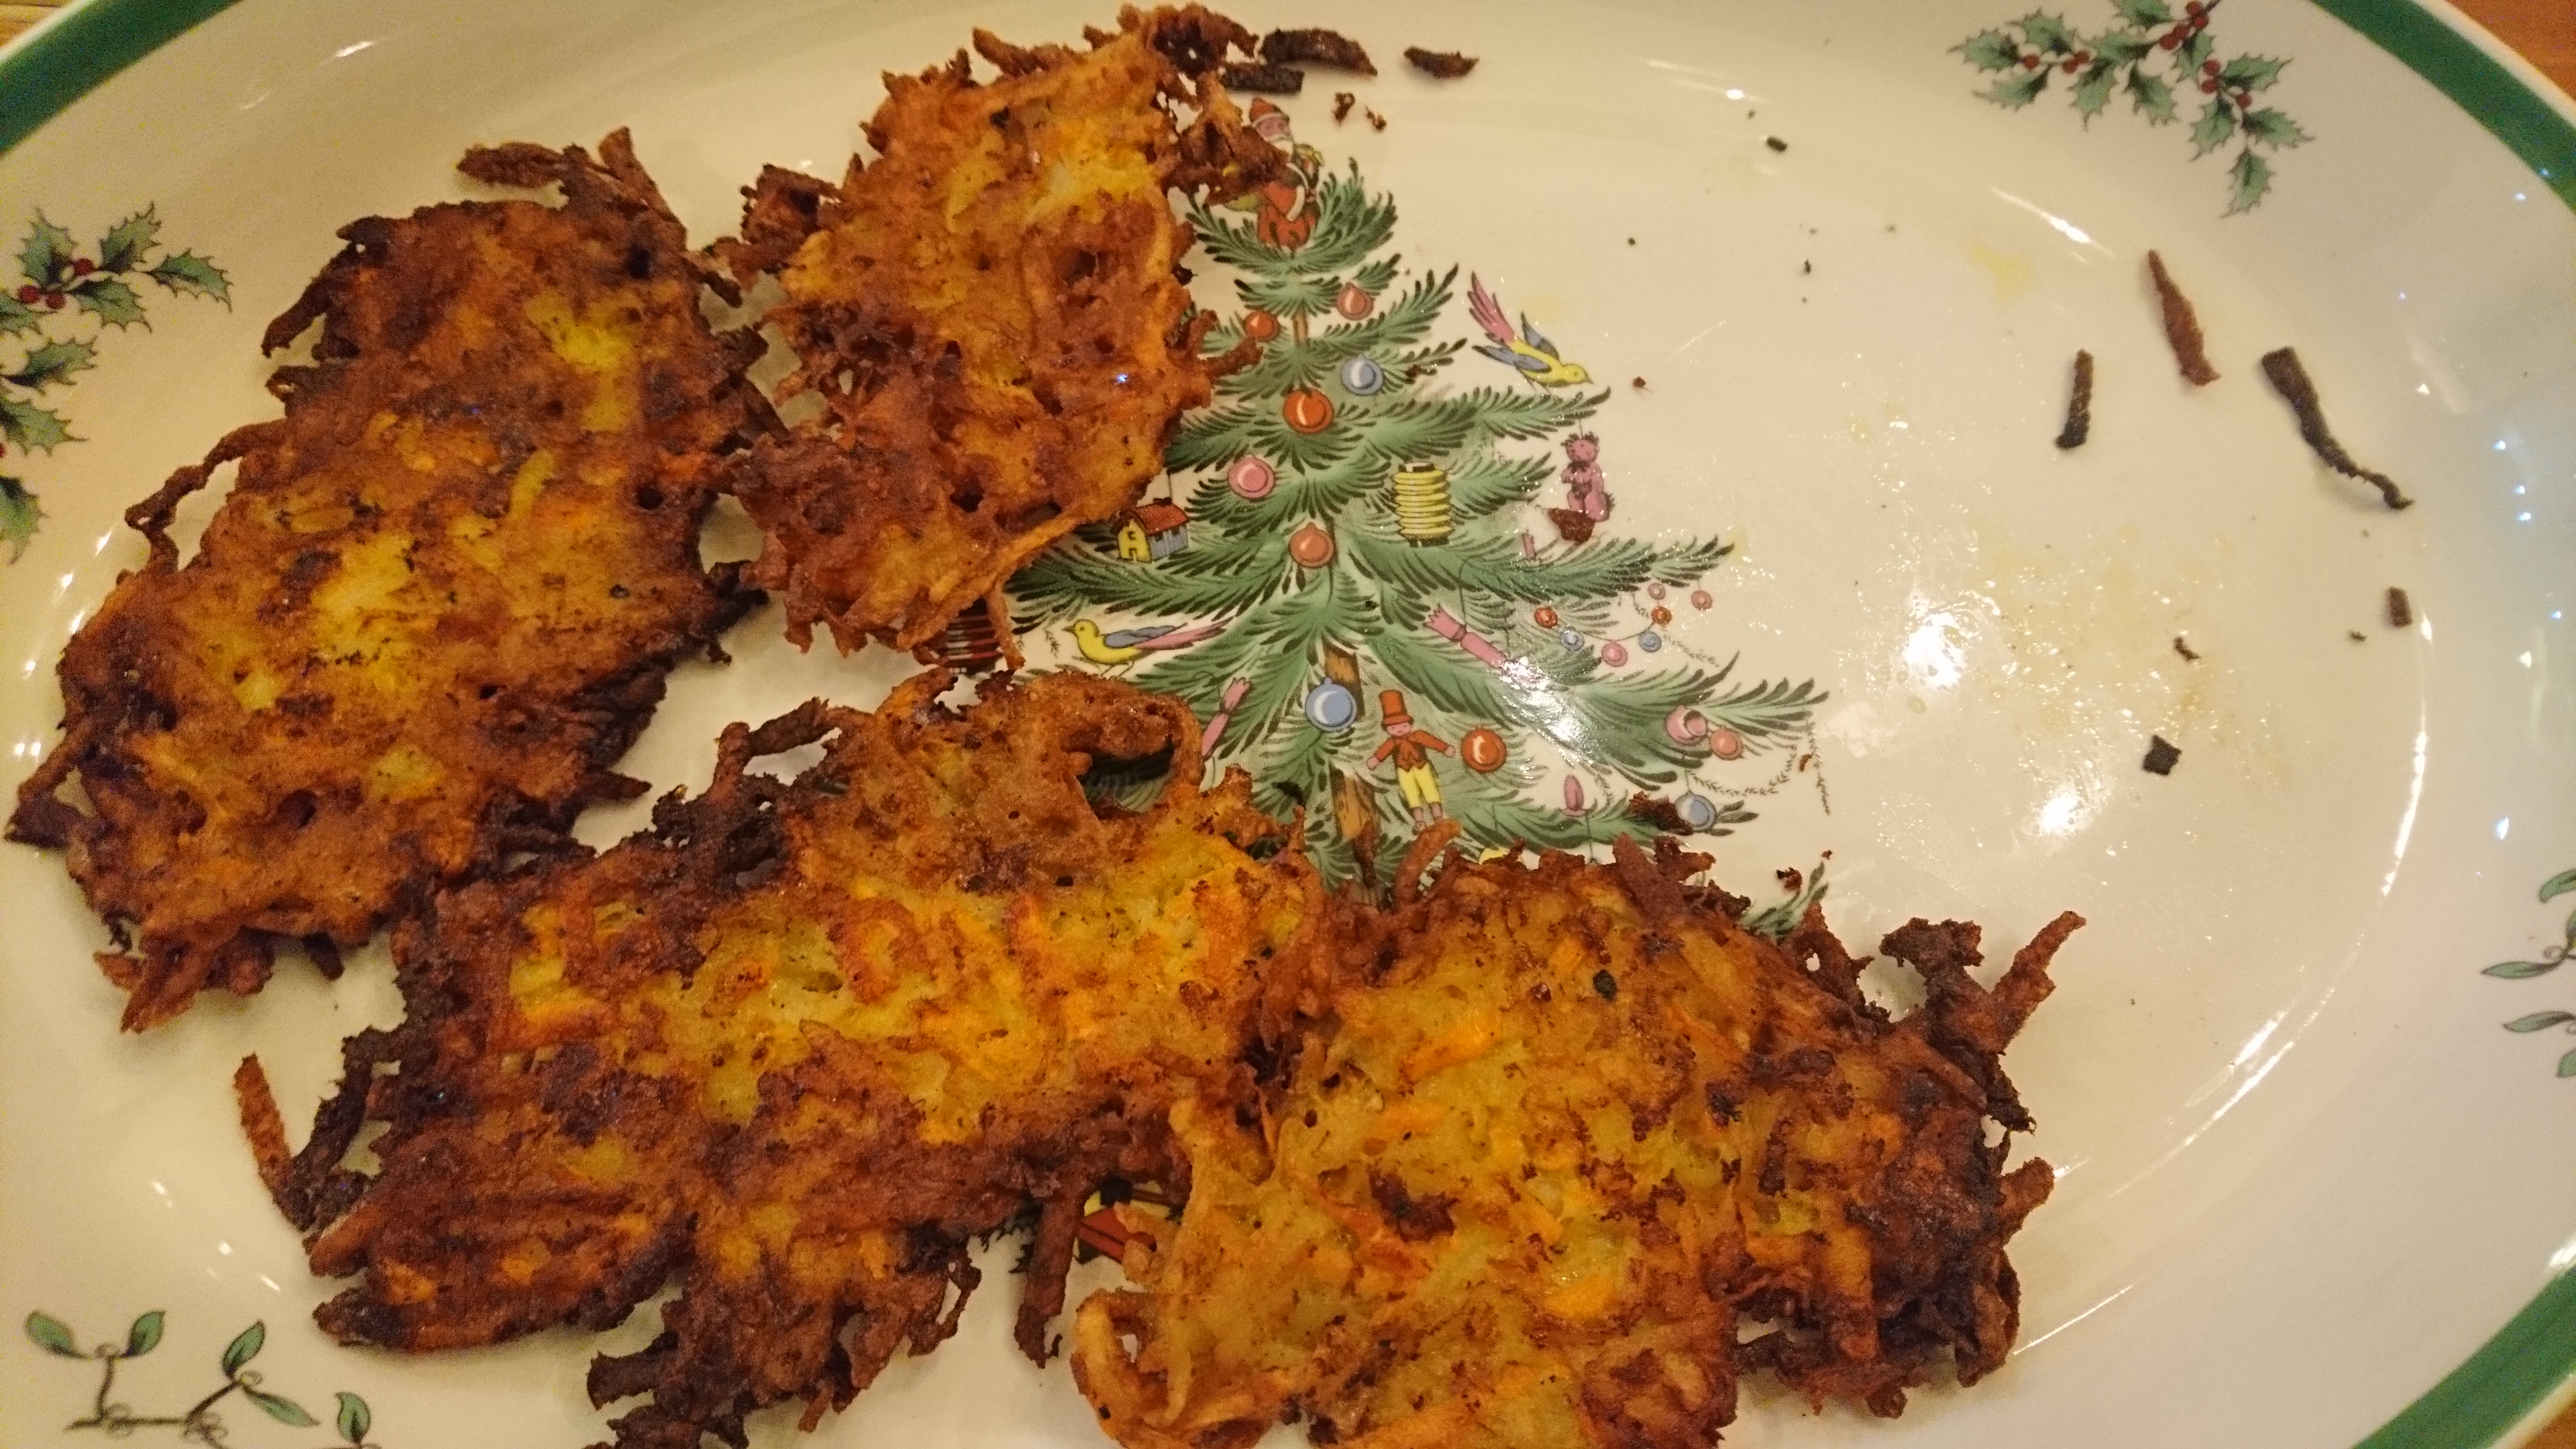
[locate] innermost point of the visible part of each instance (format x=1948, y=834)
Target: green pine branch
x=1073, y=576
x=1349, y=224
x=1495, y=565
x=1285, y=363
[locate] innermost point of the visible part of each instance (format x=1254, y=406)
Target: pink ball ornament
x=1252, y=478
x=1654, y=591
x=1686, y=726
x=1700, y=599
x=1614, y=653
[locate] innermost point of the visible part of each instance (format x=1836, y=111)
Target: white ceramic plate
x=2310, y=1184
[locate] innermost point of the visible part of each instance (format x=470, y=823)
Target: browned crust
x=2182, y=325
x=1317, y=47
x=218, y=822
x=1439, y=64
x=2289, y=378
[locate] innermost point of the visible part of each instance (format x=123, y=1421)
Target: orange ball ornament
x=1307, y=410
x=1661, y=615
x=1311, y=547
x=1483, y=750
x=1545, y=616
x=1353, y=301
x=1260, y=326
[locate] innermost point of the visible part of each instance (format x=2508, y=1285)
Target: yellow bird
x=1528, y=350
x=1128, y=645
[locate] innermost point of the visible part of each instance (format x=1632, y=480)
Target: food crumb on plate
x=1439, y=64
x=2161, y=755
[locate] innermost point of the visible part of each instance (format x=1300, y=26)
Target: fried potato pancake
x=799, y=1044
x=1568, y=1131
x=991, y=316
x=439, y=600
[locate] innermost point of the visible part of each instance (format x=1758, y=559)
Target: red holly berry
x=2209, y=67
x=2072, y=65
x=2200, y=23
x=2194, y=8
x=83, y=266
x=29, y=294
x=2030, y=62
x=2244, y=100
x=2171, y=39
x=54, y=301
x=2083, y=57
x=2209, y=88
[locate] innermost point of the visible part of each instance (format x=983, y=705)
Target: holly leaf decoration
x=2252, y=178
x=2048, y=32
x=245, y=1347
x=2274, y=128
x=46, y=258
x=2143, y=12
x=281, y=1408
x=2153, y=98
x=2093, y=89
x=2193, y=52
x=114, y=303
x=17, y=316
x=144, y=1335
x=32, y=427
x=53, y=364
x=2251, y=72
x=50, y=1333
x=1990, y=50
x=2120, y=47
x=127, y=241
x=18, y=516
x=2016, y=91
x=354, y=1420
x=2217, y=122
x=189, y=272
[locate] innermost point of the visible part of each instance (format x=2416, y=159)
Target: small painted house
x=1151, y=531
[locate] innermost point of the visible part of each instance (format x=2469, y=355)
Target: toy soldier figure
x=1412, y=767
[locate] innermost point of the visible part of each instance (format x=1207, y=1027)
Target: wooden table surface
x=2544, y=30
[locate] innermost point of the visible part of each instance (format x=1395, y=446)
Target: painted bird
x=1128, y=645
x=1530, y=351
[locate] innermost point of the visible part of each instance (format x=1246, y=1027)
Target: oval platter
x=2308, y=1081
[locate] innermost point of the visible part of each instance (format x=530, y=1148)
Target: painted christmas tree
x=1354, y=596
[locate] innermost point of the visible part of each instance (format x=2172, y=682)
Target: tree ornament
x=1650, y=641
x=1307, y=410
x=1331, y=708
x=1725, y=743
x=1573, y=796
x=1363, y=376
x=1614, y=653
x=1661, y=615
x=1448, y=626
x=1654, y=591
x=1235, y=690
x=1483, y=750
x=1545, y=616
x=1260, y=326
x=1409, y=746
x=1252, y=478
x=1696, y=810
x=1569, y=639
x=1311, y=546
x=1700, y=599
x=1685, y=726
x=1354, y=302
x=1422, y=515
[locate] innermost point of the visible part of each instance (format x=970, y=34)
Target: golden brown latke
x=1565, y=1132
x=438, y=602
x=991, y=316
x=799, y=1044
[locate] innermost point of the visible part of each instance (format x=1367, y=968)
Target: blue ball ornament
x=1362, y=376
x=1696, y=810
x=1331, y=708
x=1650, y=641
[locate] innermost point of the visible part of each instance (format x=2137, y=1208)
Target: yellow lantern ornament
x=1422, y=514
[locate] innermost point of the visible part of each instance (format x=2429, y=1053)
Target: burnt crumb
x=2079, y=404
x=2290, y=380
x=1632, y=241
x=1639, y=383
x=1316, y=47
x=2401, y=610
x=1606, y=984
x=1342, y=103
x=1660, y=813
x=1572, y=524
x=2185, y=650
x=1376, y=121
x=1775, y=143
x=1720, y=1105
x=1806, y=269
x=1790, y=878
x=1417, y=1218
x=2356, y=636
x=1439, y=64
x=2182, y=326
x=2161, y=755
x=1264, y=79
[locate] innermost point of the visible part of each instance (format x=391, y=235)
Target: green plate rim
x=2476, y=1404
